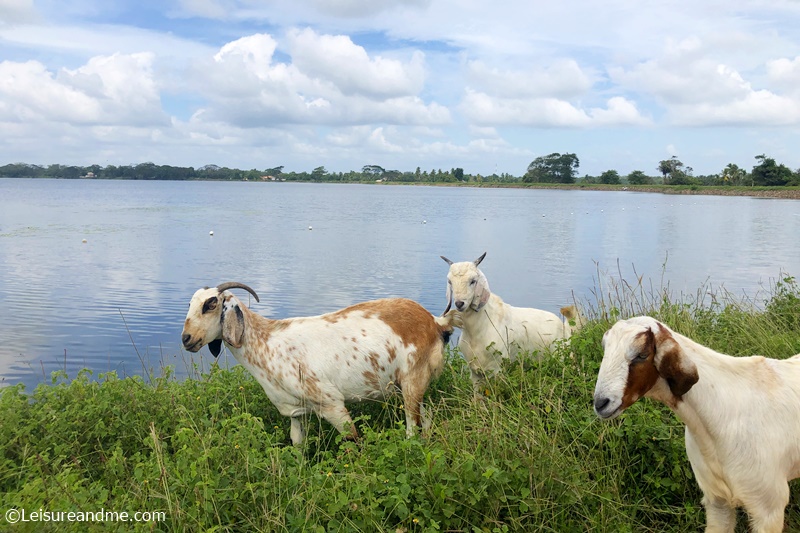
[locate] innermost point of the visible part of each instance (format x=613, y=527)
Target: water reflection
x=121, y=297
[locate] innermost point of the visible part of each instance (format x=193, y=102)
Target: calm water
x=117, y=301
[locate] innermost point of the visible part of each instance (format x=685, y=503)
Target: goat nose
x=185, y=338
x=600, y=403
x=459, y=305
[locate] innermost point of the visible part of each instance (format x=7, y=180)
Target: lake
x=118, y=300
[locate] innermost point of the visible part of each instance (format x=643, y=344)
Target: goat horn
x=446, y=260
x=235, y=285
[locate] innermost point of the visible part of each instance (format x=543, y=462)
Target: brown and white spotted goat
x=316, y=364
x=742, y=415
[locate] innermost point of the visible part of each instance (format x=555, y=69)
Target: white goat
x=742, y=415
x=316, y=364
x=492, y=330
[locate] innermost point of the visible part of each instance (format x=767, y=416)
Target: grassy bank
x=784, y=192
x=213, y=454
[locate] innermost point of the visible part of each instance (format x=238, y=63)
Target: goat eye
x=210, y=304
x=473, y=281
x=642, y=356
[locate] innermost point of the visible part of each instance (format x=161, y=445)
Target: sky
x=436, y=84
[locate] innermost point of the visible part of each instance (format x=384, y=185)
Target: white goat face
x=203, y=324
x=215, y=315
x=467, y=287
x=638, y=352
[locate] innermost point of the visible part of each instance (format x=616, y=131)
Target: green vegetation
x=554, y=168
x=213, y=454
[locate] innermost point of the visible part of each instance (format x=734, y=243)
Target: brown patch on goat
x=391, y=352
x=336, y=316
x=374, y=359
x=670, y=366
x=408, y=320
x=279, y=325
x=642, y=372
x=372, y=381
x=309, y=382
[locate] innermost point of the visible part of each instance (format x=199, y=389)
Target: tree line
x=563, y=168
x=552, y=168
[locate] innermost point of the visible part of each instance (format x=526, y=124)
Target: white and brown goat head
x=214, y=316
x=641, y=358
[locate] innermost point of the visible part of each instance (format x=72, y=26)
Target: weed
x=213, y=454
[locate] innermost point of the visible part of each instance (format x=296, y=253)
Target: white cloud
x=753, y=108
x=563, y=79
x=785, y=73
x=335, y=58
x=248, y=87
x=485, y=110
x=698, y=91
x=107, y=90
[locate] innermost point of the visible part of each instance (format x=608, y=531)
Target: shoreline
x=783, y=193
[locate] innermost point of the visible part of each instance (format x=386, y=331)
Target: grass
x=214, y=455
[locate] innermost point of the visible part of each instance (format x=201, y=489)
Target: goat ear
x=478, y=260
x=232, y=325
x=482, y=292
x=449, y=298
x=215, y=347
x=679, y=372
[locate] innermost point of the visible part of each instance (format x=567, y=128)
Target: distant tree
x=637, y=177
x=274, y=171
x=733, y=175
x=393, y=175
x=553, y=168
x=373, y=170
x=21, y=170
x=418, y=174
x=675, y=172
x=683, y=177
x=458, y=174
x=318, y=174
x=610, y=177
x=167, y=172
x=769, y=173
x=109, y=172
x=670, y=169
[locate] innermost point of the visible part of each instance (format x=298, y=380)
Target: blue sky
x=400, y=83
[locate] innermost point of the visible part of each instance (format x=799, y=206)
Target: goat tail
x=446, y=323
x=573, y=315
